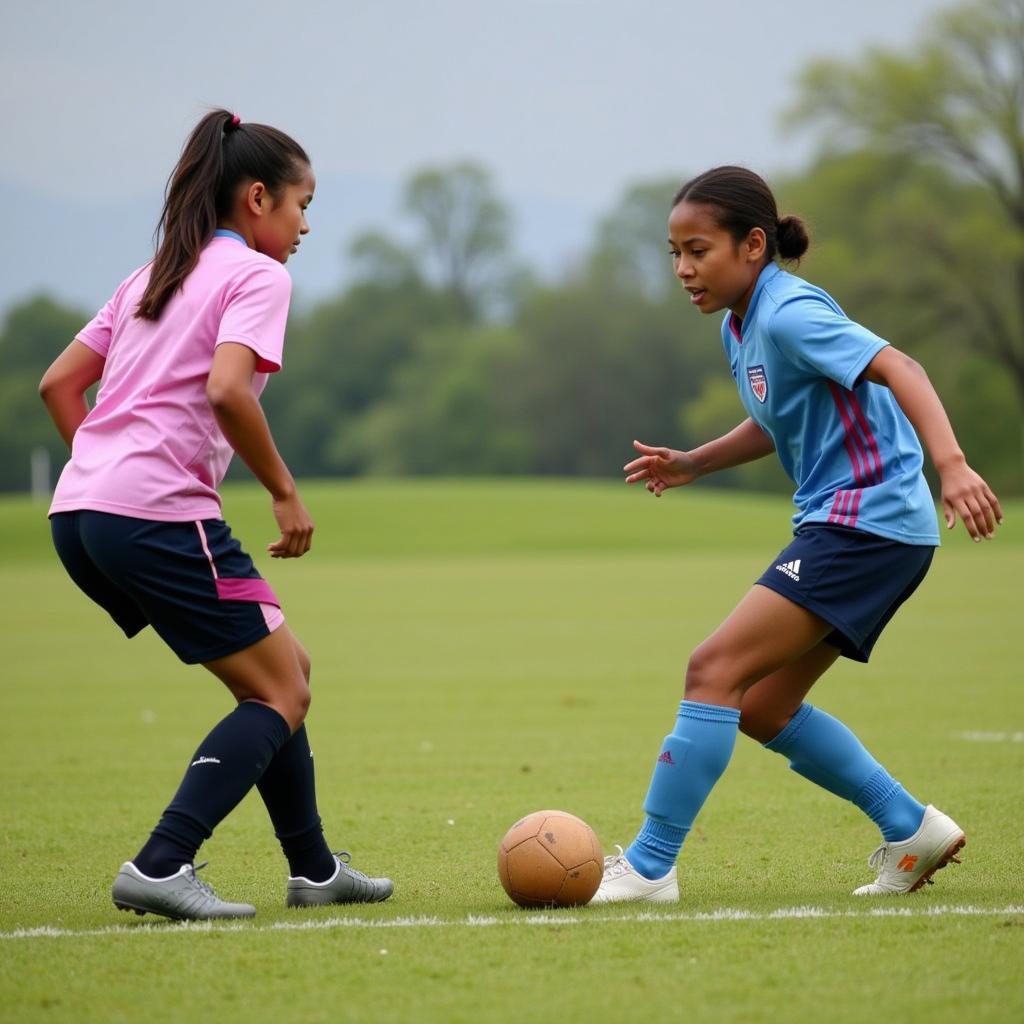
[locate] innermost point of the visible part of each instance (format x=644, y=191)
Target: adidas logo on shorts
x=791, y=569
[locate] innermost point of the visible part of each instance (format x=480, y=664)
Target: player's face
x=277, y=233
x=718, y=272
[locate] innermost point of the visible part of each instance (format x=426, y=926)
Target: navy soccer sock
x=822, y=749
x=224, y=768
x=692, y=759
x=288, y=788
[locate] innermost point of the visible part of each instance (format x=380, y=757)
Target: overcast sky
x=566, y=101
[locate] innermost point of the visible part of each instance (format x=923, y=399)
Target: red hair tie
x=235, y=120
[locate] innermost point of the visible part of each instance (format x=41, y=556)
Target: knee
x=292, y=702
x=710, y=675
x=302, y=698
x=760, y=721
x=758, y=726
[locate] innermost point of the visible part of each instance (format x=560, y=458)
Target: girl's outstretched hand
x=660, y=468
x=296, y=528
x=966, y=495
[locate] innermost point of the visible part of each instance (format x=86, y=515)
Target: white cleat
x=622, y=883
x=907, y=865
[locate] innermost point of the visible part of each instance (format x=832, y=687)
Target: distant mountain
x=79, y=252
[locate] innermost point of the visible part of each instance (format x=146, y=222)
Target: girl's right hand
x=661, y=468
x=965, y=494
x=296, y=528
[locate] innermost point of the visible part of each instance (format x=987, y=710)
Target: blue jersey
x=848, y=446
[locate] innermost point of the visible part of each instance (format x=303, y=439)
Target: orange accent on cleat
x=946, y=858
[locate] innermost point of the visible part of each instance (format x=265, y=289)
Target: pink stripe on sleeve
x=851, y=519
x=845, y=506
x=854, y=446
x=836, y=514
x=862, y=422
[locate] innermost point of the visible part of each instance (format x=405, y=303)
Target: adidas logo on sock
x=791, y=569
x=666, y=758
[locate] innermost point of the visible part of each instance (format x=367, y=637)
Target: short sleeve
x=98, y=333
x=256, y=312
x=820, y=338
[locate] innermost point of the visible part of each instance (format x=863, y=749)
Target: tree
x=342, y=358
x=602, y=366
x=449, y=410
x=33, y=334
x=631, y=246
x=903, y=260
x=465, y=231
x=958, y=101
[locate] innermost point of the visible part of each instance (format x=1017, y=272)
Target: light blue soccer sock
x=692, y=759
x=822, y=749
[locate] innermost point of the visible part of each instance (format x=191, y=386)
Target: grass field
x=481, y=650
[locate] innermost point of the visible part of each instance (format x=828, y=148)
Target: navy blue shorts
x=191, y=582
x=853, y=580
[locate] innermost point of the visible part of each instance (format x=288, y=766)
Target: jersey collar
x=228, y=233
x=770, y=271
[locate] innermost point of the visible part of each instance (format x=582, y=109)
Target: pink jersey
x=150, y=448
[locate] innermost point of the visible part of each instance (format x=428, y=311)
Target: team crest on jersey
x=758, y=382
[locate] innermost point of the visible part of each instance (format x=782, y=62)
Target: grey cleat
x=181, y=897
x=346, y=885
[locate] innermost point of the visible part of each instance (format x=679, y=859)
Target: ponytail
x=741, y=200
x=791, y=238
x=220, y=154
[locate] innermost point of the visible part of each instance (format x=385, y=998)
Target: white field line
x=540, y=919
x=975, y=736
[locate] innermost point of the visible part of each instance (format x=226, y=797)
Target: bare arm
x=241, y=419
x=964, y=493
x=64, y=385
x=744, y=443
x=662, y=468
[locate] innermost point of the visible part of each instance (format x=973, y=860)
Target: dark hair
x=742, y=200
x=219, y=155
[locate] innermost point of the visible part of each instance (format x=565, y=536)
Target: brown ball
x=550, y=859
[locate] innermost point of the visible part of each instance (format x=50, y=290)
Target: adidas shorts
x=191, y=581
x=853, y=580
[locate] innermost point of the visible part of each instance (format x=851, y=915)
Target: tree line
x=451, y=357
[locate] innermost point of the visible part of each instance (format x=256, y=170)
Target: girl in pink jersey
x=182, y=352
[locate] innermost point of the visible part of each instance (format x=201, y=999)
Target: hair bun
x=791, y=237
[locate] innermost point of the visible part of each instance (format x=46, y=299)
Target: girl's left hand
x=296, y=528
x=965, y=494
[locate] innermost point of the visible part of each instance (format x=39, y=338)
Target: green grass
x=481, y=650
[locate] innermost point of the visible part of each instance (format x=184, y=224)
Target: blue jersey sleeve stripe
x=862, y=421
x=859, y=436
x=854, y=506
x=833, y=512
x=844, y=508
x=859, y=459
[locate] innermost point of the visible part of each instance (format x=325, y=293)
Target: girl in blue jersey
x=843, y=410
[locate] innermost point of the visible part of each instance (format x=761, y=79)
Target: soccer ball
x=550, y=859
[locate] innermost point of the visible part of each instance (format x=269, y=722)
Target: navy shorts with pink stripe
x=852, y=579
x=191, y=581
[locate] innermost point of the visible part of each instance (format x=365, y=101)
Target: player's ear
x=256, y=196
x=755, y=245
